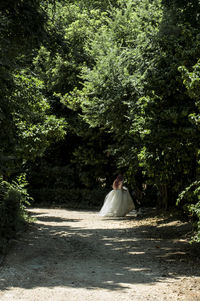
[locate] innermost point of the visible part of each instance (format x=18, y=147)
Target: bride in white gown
x=118, y=201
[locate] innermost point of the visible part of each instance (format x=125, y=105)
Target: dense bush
x=13, y=199
x=189, y=199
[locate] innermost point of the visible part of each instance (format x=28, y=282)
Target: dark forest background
x=90, y=89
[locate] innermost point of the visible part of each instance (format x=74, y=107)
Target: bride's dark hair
x=119, y=179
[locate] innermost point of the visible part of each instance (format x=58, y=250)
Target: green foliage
x=91, y=88
x=121, y=49
x=27, y=124
x=60, y=68
x=191, y=81
x=113, y=84
x=35, y=127
x=13, y=200
x=190, y=200
x=162, y=117
x=190, y=196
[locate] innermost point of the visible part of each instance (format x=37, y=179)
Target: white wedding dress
x=118, y=202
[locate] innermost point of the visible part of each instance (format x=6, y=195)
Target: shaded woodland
x=90, y=89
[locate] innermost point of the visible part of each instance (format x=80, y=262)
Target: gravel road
x=69, y=255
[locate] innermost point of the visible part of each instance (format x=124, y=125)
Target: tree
x=168, y=153
x=189, y=198
x=121, y=50
x=22, y=31
x=26, y=125
x=82, y=156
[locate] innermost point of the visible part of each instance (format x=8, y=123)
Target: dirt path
x=78, y=256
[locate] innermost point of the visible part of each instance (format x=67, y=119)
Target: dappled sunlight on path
x=76, y=255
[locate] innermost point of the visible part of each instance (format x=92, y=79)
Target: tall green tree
x=189, y=198
x=121, y=50
x=22, y=31
x=27, y=126
x=60, y=67
x=169, y=154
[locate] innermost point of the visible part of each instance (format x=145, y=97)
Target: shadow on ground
x=60, y=251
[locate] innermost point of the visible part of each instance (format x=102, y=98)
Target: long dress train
x=118, y=202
